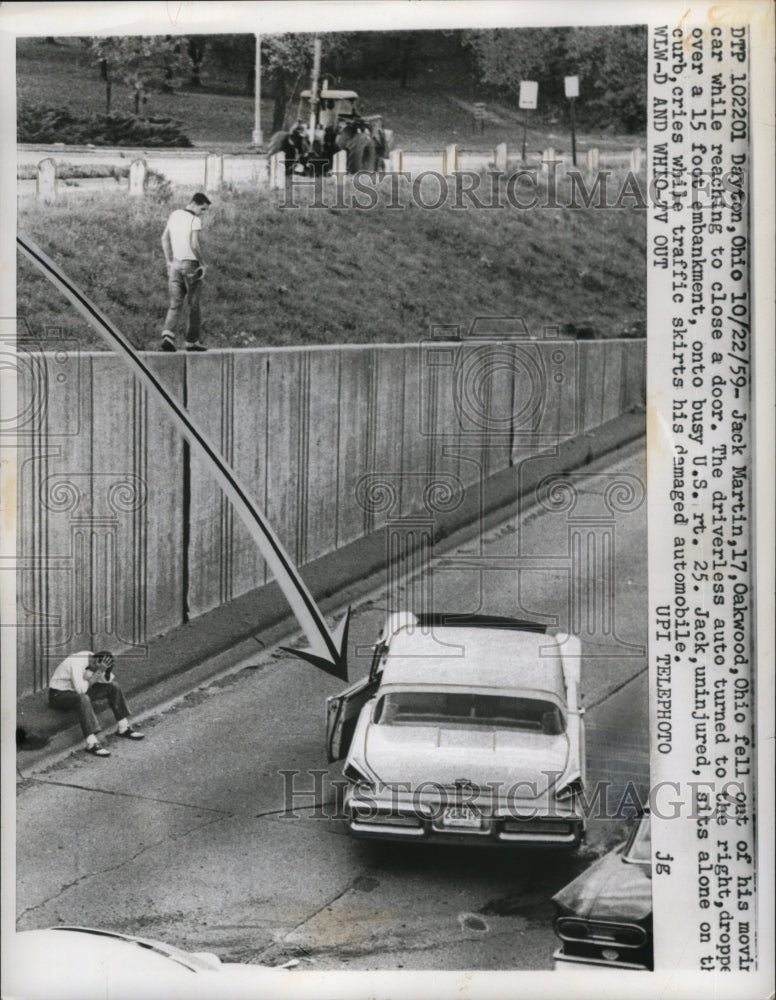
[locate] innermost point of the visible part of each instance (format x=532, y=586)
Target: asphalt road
x=186, y=836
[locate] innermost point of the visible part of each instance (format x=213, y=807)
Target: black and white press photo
x=380, y=580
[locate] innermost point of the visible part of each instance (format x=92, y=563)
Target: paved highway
x=186, y=837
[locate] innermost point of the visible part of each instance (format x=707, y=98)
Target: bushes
x=42, y=124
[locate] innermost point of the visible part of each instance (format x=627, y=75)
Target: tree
x=140, y=62
x=286, y=64
x=611, y=63
x=505, y=56
x=196, y=47
x=233, y=55
x=612, y=67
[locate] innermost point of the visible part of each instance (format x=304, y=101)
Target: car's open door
x=342, y=712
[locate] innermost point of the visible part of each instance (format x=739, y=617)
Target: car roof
x=61, y=963
x=475, y=657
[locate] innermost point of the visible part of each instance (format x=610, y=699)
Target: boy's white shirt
x=71, y=673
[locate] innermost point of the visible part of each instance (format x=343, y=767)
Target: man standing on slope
x=185, y=269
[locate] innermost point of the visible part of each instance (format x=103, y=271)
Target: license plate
x=462, y=816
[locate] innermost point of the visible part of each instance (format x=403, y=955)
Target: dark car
x=604, y=917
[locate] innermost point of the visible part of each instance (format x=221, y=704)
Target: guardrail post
x=138, y=170
x=339, y=165
x=277, y=170
x=450, y=159
x=549, y=160
x=214, y=171
x=46, y=182
x=500, y=157
x=396, y=161
x=591, y=160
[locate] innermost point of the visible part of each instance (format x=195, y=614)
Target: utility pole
x=258, y=138
x=314, y=96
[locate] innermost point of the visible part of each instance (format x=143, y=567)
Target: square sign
x=572, y=86
x=529, y=90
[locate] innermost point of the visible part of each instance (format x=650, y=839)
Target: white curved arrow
x=328, y=650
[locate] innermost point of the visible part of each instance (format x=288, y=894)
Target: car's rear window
x=467, y=708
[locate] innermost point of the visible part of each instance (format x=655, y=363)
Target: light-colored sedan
x=468, y=729
x=81, y=963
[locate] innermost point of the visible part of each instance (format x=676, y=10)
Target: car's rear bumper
x=564, y=962
x=410, y=825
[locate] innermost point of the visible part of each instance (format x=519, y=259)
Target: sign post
x=529, y=90
x=572, y=92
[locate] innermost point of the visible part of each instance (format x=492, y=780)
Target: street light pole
x=258, y=138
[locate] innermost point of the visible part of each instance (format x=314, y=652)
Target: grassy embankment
x=309, y=275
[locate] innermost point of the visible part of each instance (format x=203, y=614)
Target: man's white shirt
x=180, y=226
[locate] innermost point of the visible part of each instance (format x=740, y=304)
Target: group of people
x=312, y=151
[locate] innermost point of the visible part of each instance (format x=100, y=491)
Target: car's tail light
x=558, y=828
x=577, y=931
x=601, y=932
x=395, y=819
x=359, y=779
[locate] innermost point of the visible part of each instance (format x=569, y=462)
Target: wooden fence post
x=277, y=170
x=500, y=158
x=339, y=165
x=46, y=186
x=395, y=161
x=138, y=171
x=591, y=159
x=548, y=160
x=450, y=159
x=214, y=171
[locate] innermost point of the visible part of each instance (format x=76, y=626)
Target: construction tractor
x=329, y=121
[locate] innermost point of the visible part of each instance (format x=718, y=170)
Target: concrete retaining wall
x=122, y=536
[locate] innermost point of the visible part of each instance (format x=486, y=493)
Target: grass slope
x=306, y=275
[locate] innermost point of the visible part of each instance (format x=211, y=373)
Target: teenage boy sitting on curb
x=79, y=680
